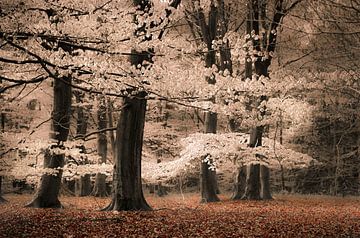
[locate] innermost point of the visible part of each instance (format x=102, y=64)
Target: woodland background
x=125, y=99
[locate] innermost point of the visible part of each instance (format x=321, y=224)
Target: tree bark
x=208, y=184
x=161, y=190
x=2, y=200
x=47, y=195
x=3, y=122
x=240, y=182
x=83, y=184
x=127, y=185
x=265, y=182
x=100, y=179
x=111, y=124
x=252, y=189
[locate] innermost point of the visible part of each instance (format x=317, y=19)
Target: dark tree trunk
x=83, y=184
x=240, y=182
x=127, y=185
x=2, y=200
x=47, y=195
x=161, y=190
x=208, y=181
x=100, y=179
x=265, y=182
x=111, y=125
x=252, y=189
x=3, y=122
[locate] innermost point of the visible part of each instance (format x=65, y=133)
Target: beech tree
x=127, y=183
x=100, y=179
x=48, y=192
x=83, y=184
x=264, y=40
x=208, y=33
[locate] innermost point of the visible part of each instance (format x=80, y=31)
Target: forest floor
x=179, y=215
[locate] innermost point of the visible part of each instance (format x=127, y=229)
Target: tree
x=264, y=40
x=2, y=200
x=48, y=192
x=100, y=179
x=82, y=184
x=213, y=30
x=127, y=183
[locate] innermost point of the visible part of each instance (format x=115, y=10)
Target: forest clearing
x=173, y=216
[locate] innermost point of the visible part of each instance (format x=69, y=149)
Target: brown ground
x=173, y=216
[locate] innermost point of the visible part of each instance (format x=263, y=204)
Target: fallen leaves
x=286, y=216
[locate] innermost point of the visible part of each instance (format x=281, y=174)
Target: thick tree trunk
x=2, y=200
x=265, y=182
x=100, y=179
x=127, y=185
x=252, y=189
x=240, y=182
x=208, y=184
x=47, y=195
x=83, y=184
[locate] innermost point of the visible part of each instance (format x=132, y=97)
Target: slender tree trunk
x=3, y=122
x=208, y=184
x=2, y=200
x=127, y=185
x=47, y=195
x=83, y=184
x=111, y=124
x=161, y=190
x=100, y=179
x=240, y=179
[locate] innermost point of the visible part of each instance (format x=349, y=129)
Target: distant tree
x=82, y=184
x=100, y=179
x=2, y=200
x=264, y=34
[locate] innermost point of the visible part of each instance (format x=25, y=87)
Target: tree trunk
x=127, y=185
x=208, y=184
x=265, y=182
x=282, y=178
x=3, y=122
x=100, y=179
x=240, y=182
x=2, y=200
x=83, y=184
x=47, y=195
x=252, y=189
x=111, y=124
x=161, y=190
